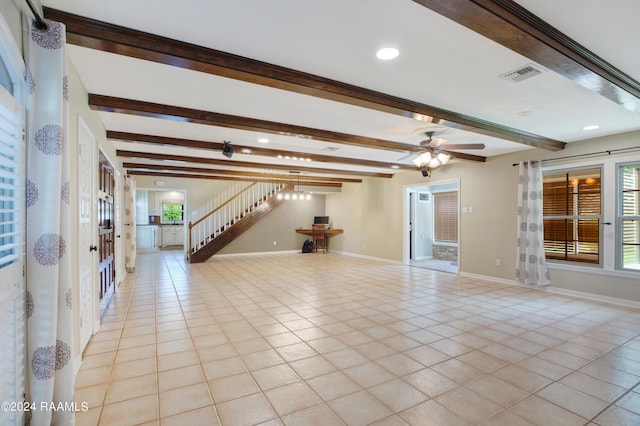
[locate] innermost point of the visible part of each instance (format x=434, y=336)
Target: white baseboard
x=557, y=290
x=257, y=253
x=362, y=256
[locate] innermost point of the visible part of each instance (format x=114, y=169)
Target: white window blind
x=572, y=215
x=629, y=215
x=12, y=294
x=445, y=223
x=10, y=211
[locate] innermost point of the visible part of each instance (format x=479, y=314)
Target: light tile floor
x=328, y=339
x=438, y=265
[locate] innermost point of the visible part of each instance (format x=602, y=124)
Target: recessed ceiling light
x=387, y=53
x=395, y=166
x=591, y=127
x=263, y=140
x=246, y=151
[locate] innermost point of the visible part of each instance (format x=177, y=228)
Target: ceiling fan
x=434, y=154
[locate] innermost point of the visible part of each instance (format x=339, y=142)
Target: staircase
x=232, y=218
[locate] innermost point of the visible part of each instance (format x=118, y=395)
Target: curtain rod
x=608, y=152
x=40, y=23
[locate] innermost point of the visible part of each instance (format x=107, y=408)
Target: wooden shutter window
x=571, y=210
x=445, y=222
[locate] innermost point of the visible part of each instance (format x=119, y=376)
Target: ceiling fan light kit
x=433, y=154
x=432, y=159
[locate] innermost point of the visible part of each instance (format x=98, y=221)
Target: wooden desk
x=327, y=233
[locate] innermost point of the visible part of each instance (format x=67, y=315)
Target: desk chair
x=317, y=232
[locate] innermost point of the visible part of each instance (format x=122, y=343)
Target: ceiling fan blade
x=464, y=156
x=404, y=157
x=464, y=146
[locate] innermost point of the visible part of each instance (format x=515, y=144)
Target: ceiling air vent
x=522, y=73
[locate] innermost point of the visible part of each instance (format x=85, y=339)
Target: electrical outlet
x=498, y=262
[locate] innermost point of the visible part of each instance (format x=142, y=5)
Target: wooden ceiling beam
x=234, y=178
x=266, y=152
x=120, y=40
x=170, y=112
x=233, y=163
x=514, y=27
x=239, y=173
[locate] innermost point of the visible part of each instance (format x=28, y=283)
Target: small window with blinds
x=628, y=218
x=572, y=209
x=445, y=217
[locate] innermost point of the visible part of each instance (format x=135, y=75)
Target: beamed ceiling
x=172, y=81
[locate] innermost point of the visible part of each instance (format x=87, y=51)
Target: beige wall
x=371, y=214
x=278, y=226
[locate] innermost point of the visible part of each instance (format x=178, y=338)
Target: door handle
x=109, y=241
x=117, y=236
x=93, y=248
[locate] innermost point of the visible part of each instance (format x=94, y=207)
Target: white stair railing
x=211, y=225
x=220, y=197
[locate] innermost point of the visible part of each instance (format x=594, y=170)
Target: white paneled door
x=87, y=267
x=119, y=247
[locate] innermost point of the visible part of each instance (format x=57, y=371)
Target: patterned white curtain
x=49, y=299
x=531, y=265
x=130, y=223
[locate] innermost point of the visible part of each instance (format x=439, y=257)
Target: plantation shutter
x=630, y=216
x=571, y=210
x=445, y=222
x=12, y=301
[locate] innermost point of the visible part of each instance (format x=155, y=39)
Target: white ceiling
x=441, y=64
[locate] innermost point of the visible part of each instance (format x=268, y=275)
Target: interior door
x=119, y=249
x=412, y=203
x=106, y=237
x=87, y=231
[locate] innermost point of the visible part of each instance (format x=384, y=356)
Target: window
x=172, y=211
x=12, y=207
x=628, y=218
x=572, y=215
x=445, y=217
x=10, y=157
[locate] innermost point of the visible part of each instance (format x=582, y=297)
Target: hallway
x=333, y=339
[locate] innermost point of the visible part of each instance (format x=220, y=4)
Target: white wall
x=12, y=11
